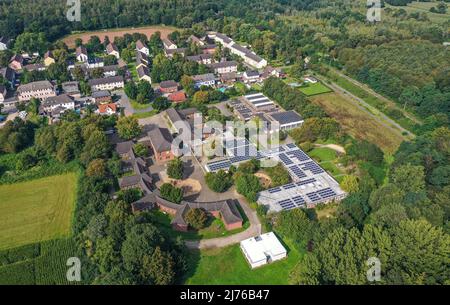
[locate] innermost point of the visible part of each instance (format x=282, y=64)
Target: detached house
x=161, y=142
x=41, y=90
x=141, y=59
x=49, y=58
x=250, y=77
x=82, y=54
x=168, y=86
x=204, y=80
x=142, y=47
x=111, y=49
x=107, y=109
x=16, y=62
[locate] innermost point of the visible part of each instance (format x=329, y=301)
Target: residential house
x=81, y=54
x=2, y=93
x=172, y=52
x=161, y=142
x=209, y=49
x=8, y=74
x=95, y=62
x=40, y=89
x=228, y=78
x=4, y=43
x=207, y=79
x=16, y=63
x=49, y=58
x=102, y=97
x=223, y=39
x=169, y=44
x=57, y=102
x=168, y=86
x=224, y=67
x=109, y=71
x=111, y=49
x=107, y=109
x=250, y=77
x=205, y=59
x=141, y=59
x=108, y=83
x=35, y=67
x=142, y=47
x=177, y=97
x=271, y=71
x=71, y=89
x=195, y=40
x=144, y=74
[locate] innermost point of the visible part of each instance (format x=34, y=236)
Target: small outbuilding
x=262, y=250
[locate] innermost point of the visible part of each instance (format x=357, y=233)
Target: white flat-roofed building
x=262, y=250
x=258, y=101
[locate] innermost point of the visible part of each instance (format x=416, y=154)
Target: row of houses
x=248, y=56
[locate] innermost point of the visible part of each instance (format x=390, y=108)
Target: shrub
x=196, y=218
x=171, y=193
x=218, y=182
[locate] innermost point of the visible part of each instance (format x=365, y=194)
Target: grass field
x=36, y=210
x=401, y=116
x=228, y=266
x=358, y=123
x=423, y=7
x=327, y=159
x=112, y=33
x=314, y=89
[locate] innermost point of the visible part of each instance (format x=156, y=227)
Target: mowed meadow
x=36, y=210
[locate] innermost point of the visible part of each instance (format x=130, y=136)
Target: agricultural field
x=359, y=123
x=36, y=210
x=314, y=89
x=112, y=33
x=228, y=266
x=40, y=263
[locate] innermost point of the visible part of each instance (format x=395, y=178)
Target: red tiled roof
x=177, y=97
x=104, y=108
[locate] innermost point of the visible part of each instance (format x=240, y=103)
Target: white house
x=262, y=250
x=108, y=83
x=310, y=79
x=4, y=43
x=95, y=62
x=144, y=74
x=250, y=77
x=142, y=47
x=40, y=89
x=82, y=54
x=111, y=49
x=224, y=67
x=169, y=44
x=204, y=80
x=54, y=102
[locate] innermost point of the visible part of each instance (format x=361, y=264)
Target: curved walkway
x=334, y=147
x=252, y=231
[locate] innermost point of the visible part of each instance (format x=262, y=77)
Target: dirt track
x=112, y=33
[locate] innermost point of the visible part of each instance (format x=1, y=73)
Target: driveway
x=221, y=242
x=222, y=106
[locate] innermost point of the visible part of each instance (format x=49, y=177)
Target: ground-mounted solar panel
x=274, y=190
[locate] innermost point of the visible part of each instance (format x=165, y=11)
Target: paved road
x=125, y=102
x=361, y=104
x=252, y=231
x=377, y=95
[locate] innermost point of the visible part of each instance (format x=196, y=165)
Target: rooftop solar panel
x=274, y=190
x=313, y=197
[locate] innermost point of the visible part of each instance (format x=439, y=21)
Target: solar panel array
x=215, y=166
x=297, y=172
x=299, y=155
x=313, y=167
x=286, y=204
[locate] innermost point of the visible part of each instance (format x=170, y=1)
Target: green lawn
x=143, y=115
x=323, y=154
x=36, y=210
x=137, y=106
x=228, y=266
x=314, y=89
x=215, y=228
